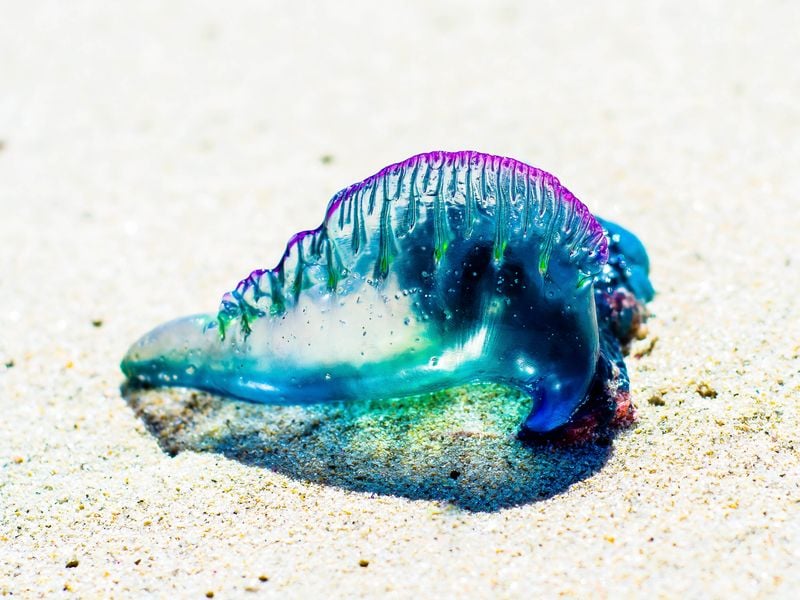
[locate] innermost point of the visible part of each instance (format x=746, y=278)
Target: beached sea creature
x=444, y=269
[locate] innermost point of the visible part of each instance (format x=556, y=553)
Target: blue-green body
x=445, y=269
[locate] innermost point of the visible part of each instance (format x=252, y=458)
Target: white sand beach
x=154, y=153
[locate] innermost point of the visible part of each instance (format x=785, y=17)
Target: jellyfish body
x=441, y=270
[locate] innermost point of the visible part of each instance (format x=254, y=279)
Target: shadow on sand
x=457, y=446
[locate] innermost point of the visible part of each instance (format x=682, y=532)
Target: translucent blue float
x=444, y=269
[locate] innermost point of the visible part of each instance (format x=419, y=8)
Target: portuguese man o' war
x=445, y=269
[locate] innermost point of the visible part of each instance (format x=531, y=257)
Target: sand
x=154, y=153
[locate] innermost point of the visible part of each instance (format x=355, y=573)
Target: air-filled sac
x=441, y=270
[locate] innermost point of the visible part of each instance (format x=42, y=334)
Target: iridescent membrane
x=441, y=270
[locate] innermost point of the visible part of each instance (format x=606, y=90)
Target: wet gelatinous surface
x=445, y=269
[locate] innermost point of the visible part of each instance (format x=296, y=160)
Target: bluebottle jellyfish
x=445, y=269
